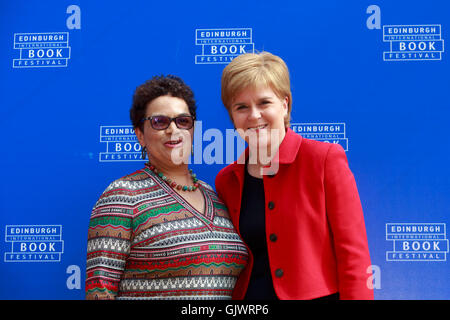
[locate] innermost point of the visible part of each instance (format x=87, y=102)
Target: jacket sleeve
x=109, y=241
x=346, y=219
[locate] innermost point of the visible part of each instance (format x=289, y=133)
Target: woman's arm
x=108, y=243
x=346, y=219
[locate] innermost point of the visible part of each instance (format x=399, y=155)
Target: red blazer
x=313, y=208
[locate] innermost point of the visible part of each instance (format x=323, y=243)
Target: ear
x=285, y=105
x=140, y=136
x=192, y=132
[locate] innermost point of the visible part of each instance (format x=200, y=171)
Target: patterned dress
x=145, y=241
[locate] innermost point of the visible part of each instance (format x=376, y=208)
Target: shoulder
x=318, y=150
x=126, y=190
x=224, y=180
x=315, y=147
x=318, y=156
x=205, y=185
x=225, y=172
x=131, y=182
x=122, y=195
x=328, y=159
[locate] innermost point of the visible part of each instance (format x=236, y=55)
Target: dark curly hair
x=156, y=87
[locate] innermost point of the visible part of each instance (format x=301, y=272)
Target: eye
x=159, y=122
x=184, y=120
x=241, y=107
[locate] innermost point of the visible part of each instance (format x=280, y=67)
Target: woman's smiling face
x=260, y=113
x=170, y=145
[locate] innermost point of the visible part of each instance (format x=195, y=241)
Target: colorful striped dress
x=146, y=242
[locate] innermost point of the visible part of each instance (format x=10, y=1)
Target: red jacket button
x=279, y=273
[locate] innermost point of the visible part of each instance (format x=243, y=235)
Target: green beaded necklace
x=172, y=183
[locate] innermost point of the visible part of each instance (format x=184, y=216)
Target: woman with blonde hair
x=297, y=209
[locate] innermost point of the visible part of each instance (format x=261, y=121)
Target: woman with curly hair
x=160, y=232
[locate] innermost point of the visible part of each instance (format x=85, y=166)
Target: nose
x=172, y=127
x=255, y=113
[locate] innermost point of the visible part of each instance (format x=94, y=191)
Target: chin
x=178, y=157
x=259, y=146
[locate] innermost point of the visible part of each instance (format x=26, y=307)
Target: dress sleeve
x=109, y=239
x=346, y=219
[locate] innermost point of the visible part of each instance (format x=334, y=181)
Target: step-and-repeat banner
x=372, y=76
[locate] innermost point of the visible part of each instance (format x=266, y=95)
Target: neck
x=262, y=159
x=170, y=169
x=254, y=170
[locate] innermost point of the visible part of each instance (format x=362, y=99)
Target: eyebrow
x=163, y=115
x=259, y=99
x=238, y=104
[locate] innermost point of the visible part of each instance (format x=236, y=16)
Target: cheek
x=189, y=134
x=276, y=117
x=238, y=120
x=152, y=139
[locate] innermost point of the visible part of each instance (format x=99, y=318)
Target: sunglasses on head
x=163, y=122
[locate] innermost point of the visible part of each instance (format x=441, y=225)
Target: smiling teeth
x=259, y=127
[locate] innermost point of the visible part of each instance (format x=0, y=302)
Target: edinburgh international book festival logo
x=220, y=46
x=417, y=241
x=411, y=42
x=324, y=132
x=34, y=243
x=46, y=49
x=121, y=144
x=39, y=50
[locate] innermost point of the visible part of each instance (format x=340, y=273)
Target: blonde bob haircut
x=252, y=70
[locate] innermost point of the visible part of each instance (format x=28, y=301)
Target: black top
x=252, y=226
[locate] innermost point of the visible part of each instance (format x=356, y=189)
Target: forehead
x=168, y=106
x=254, y=92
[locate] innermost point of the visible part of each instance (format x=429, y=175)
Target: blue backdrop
x=370, y=75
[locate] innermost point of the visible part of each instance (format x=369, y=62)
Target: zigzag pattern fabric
x=146, y=242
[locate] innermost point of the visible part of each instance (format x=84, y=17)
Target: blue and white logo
x=220, y=46
x=37, y=50
x=121, y=144
x=34, y=243
x=413, y=42
x=417, y=241
x=325, y=132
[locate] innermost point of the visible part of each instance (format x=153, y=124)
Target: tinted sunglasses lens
x=160, y=122
x=184, y=122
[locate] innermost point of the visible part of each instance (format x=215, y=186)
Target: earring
x=144, y=153
x=192, y=149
